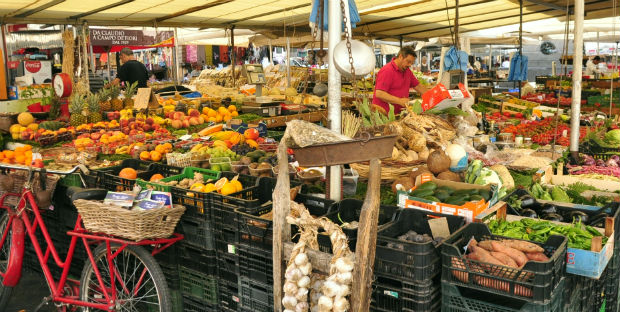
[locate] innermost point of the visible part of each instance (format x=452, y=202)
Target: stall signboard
x=106, y=37
x=39, y=70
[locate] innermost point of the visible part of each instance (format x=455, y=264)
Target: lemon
x=210, y=187
x=237, y=185
x=228, y=189
x=197, y=187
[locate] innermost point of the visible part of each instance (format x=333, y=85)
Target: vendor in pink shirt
x=394, y=81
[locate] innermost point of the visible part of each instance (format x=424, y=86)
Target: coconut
x=438, y=162
x=404, y=184
x=450, y=176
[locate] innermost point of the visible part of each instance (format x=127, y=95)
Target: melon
x=290, y=92
x=25, y=119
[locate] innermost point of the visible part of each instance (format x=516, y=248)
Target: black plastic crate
x=197, y=232
x=349, y=210
x=534, y=282
x=390, y=298
x=226, y=241
x=197, y=204
x=255, y=296
x=172, y=274
x=168, y=256
x=110, y=180
x=198, y=259
x=193, y=305
x=409, y=260
x=229, y=296
x=228, y=270
x=460, y=299
x=255, y=264
x=199, y=286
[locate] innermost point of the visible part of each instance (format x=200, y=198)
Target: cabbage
x=613, y=137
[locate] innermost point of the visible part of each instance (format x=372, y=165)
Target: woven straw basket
x=130, y=224
x=390, y=169
x=19, y=179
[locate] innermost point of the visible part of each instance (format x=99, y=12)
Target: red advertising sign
x=121, y=37
x=32, y=66
x=13, y=64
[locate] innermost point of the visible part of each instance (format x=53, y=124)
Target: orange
x=160, y=149
x=155, y=156
x=19, y=149
x=28, y=147
x=218, y=118
x=145, y=155
x=168, y=146
x=19, y=158
x=212, y=119
x=234, y=114
x=211, y=113
x=156, y=177
x=128, y=173
x=222, y=110
x=9, y=154
x=232, y=108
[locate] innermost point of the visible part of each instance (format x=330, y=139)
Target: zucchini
x=427, y=186
x=421, y=193
x=475, y=197
x=485, y=194
x=432, y=198
x=446, y=189
x=441, y=195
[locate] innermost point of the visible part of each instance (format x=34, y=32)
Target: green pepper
x=593, y=231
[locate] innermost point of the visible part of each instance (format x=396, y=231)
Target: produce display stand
x=280, y=121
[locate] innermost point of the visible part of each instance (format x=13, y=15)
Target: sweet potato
x=503, y=286
x=518, y=256
x=486, y=245
x=504, y=258
x=484, y=256
x=522, y=245
x=460, y=275
x=536, y=256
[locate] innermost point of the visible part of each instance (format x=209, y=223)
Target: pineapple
x=76, y=108
x=104, y=97
x=130, y=91
x=117, y=104
x=92, y=101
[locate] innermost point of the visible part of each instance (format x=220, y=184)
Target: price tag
x=439, y=227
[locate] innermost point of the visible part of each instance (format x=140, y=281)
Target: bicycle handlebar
x=81, y=168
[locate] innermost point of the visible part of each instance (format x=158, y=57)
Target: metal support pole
x=5, y=55
x=334, y=108
x=175, y=55
x=233, y=58
x=288, y=62
x=270, y=53
x=521, y=41
x=577, y=69
x=490, y=65
x=109, y=74
x=401, y=42
x=456, y=24
x=92, y=57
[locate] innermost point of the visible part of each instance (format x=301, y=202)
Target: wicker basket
x=130, y=224
x=179, y=159
x=19, y=179
x=390, y=169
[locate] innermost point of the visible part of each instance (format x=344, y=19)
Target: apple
x=193, y=121
x=140, y=119
x=124, y=123
x=147, y=128
x=126, y=131
x=150, y=121
x=185, y=123
x=201, y=120
x=95, y=136
x=132, y=119
x=156, y=127
x=111, y=115
x=177, y=124
x=194, y=113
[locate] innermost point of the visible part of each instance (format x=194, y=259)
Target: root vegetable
x=303, y=282
x=423, y=154
x=484, y=256
x=460, y=275
x=301, y=259
x=486, y=245
x=517, y=255
x=522, y=245
x=450, y=176
x=503, y=286
x=504, y=258
x=289, y=302
x=536, y=256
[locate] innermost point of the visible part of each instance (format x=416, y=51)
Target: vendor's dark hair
x=406, y=51
x=597, y=58
x=126, y=51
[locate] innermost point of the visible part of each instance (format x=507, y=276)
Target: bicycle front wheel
x=138, y=281
x=5, y=253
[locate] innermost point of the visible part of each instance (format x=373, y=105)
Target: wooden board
x=280, y=121
x=144, y=98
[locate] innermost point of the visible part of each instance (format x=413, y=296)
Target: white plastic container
x=349, y=181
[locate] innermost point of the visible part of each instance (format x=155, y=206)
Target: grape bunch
x=242, y=149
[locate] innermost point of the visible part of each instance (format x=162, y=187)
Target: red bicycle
x=119, y=275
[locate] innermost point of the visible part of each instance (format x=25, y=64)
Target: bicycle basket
x=130, y=224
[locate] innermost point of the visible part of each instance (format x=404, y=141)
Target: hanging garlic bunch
x=297, y=282
x=315, y=291
x=337, y=286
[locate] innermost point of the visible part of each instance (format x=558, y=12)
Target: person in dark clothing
x=131, y=70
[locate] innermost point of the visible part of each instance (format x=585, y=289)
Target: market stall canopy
x=381, y=19
x=214, y=36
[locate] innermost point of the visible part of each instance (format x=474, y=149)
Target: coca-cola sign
x=32, y=66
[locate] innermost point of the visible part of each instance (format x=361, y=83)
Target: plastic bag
x=301, y=133
x=464, y=128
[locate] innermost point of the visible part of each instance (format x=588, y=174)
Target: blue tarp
x=518, y=68
x=455, y=59
x=355, y=16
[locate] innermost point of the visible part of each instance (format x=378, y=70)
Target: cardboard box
x=565, y=180
x=39, y=70
x=469, y=210
x=439, y=97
